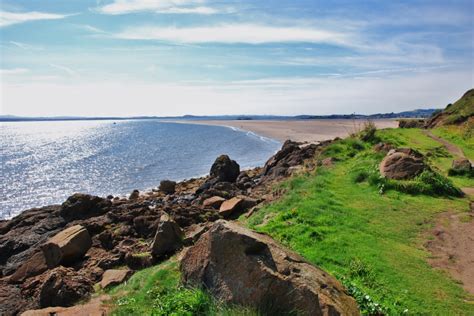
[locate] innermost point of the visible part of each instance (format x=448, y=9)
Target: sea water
x=43, y=163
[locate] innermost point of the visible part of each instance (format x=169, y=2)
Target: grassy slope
x=157, y=291
x=370, y=240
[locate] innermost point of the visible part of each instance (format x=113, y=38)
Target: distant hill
x=422, y=113
x=460, y=112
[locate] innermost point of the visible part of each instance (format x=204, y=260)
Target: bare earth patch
x=453, y=247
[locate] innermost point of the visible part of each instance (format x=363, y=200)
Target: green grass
x=373, y=242
x=157, y=291
x=458, y=136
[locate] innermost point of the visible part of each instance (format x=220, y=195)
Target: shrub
x=367, y=134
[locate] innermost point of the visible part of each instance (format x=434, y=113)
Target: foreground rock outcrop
x=240, y=266
x=55, y=255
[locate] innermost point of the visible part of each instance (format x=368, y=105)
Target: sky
x=206, y=57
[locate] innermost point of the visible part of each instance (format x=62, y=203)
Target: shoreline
x=304, y=131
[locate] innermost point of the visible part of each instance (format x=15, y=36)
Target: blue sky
x=174, y=57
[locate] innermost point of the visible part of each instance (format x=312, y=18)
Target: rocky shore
x=55, y=255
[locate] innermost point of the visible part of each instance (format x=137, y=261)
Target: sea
x=42, y=163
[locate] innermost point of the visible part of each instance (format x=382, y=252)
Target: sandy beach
x=310, y=131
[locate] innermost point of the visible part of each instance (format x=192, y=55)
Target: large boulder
x=290, y=155
x=63, y=287
x=402, y=164
x=240, y=266
x=79, y=206
x=168, y=238
x=225, y=169
x=32, y=267
x=67, y=246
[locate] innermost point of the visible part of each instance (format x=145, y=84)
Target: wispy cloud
x=10, y=18
x=68, y=70
x=235, y=33
x=158, y=6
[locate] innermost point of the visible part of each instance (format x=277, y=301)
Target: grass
x=436, y=154
x=157, y=291
x=459, y=136
x=340, y=221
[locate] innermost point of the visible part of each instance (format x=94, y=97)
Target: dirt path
x=453, y=247
x=450, y=147
x=453, y=243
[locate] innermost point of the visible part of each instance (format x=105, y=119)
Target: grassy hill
x=460, y=112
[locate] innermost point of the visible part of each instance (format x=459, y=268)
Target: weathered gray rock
x=67, y=246
x=239, y=266
x=168, y=238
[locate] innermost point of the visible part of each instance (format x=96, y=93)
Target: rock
x=167, y=186
x=69, y=245
x=328, y=162
x=214, y=202
x=134, y=195
x=32, y=267
x=63, y=287
x=138, y=261
x=79, y=206
x=230, y=206
x=225, y=169
x=461, y=165
x=236, y=206
x=145, y=225
x=114, y=277
x=193, y=232
x=96, y=307
x=242, y=267
x=290, y=155
x=168, y=238
x=402, y=164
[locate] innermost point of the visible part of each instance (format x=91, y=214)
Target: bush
x=367, y=134
x=462, y=173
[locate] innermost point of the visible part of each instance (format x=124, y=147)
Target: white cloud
x=13, y=71
x=158, y=6
x=285, y=96
x=68, y=70
x=10, y=18
x=190, y=10
x=235, y=33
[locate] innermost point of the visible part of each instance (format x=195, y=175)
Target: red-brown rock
x=239, y=266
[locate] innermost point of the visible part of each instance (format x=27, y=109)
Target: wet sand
x=310, y=131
